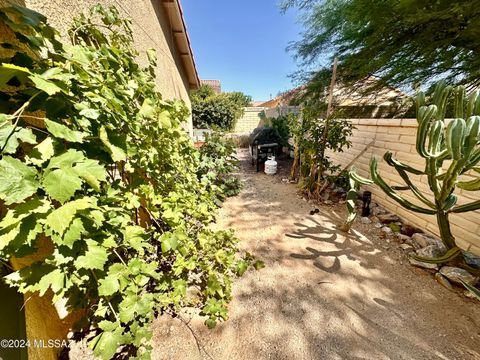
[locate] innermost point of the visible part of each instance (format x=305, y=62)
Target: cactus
x=438, y=141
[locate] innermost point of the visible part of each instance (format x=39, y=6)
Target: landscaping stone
x=406, y=247
x=403, y=238
x=423, y=240
x=432, y=251
x=328, y=202
x=378, y=225
x=374, y=219
x=387, y=230
x=422, y=264
x=442, y=280
x=365, y=220
x=388, y=218
x=457, y=275
x=471, y=259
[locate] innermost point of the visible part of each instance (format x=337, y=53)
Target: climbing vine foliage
x=100, y=186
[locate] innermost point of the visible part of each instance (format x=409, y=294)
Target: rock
x=442, y=280
x=423, y=240
x=387, y=230
x=403, y=238
x=328, y=202
x=409, y=230
x=457, y=275
x=432, y=251
x=377, y=210
x=378, y=225
x=471, y=259
x=406, y=247
x=422, y=264
x=374, y=219
x=388, y=218
x=365, y=220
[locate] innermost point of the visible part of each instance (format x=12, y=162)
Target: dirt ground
x=322, y=294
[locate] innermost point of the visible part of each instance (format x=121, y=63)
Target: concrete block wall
x=251, y=119
x=398, y=136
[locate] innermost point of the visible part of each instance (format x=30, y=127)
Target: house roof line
x=182, y=40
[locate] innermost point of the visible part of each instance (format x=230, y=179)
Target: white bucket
x=271, y=166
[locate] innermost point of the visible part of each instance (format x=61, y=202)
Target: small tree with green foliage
x=220, y=111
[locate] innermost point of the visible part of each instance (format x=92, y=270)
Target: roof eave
x=182, y=40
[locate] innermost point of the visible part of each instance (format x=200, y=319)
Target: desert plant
x=438, y=141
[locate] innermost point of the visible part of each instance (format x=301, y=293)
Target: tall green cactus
x=438, y=141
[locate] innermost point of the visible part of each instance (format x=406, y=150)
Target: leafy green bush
x=94, y=164
x=220, y=111
x=281, y=126
x=307, y=132
x=218, y=162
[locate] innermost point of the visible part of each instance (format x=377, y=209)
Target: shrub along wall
x=398, y=136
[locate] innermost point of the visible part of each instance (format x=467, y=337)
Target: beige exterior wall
x=150, y=25
x=251, y=119
x=398, y=136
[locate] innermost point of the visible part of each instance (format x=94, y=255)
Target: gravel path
x=322, y=295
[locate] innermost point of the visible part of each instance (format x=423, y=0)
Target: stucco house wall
x=151, y=25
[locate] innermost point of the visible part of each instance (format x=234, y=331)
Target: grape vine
x=95, y=163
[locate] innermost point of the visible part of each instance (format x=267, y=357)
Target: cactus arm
x=459, y=101
x=402, y=171
x=466, y=207
x=472, y=185
x=424, y=118
x=355, y=181
x=377, y=179
x=449, y=256
x=471, y=104
x=399, y=165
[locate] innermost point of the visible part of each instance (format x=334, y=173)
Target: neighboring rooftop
x=215, y=84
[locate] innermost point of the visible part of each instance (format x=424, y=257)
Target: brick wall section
x=398, y=136
x=251, y=119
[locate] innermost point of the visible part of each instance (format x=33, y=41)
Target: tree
x=402, y=42
x=217, y=110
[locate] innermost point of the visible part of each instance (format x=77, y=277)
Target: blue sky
x=243, y=44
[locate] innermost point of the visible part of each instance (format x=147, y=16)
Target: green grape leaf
x=63, y=132
x=60, y=219
x=8, y=71
x=90, y=113
x=67, y=159
x=41, y=153
x=95, y=257
x=17, y=180
x=45, y=85
x=54, y=280
x=61, y=184
x=10, y=137
x=133, y=306
x=92, y=172
x=117, y=153
x=108, y=285
x=105, y=345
